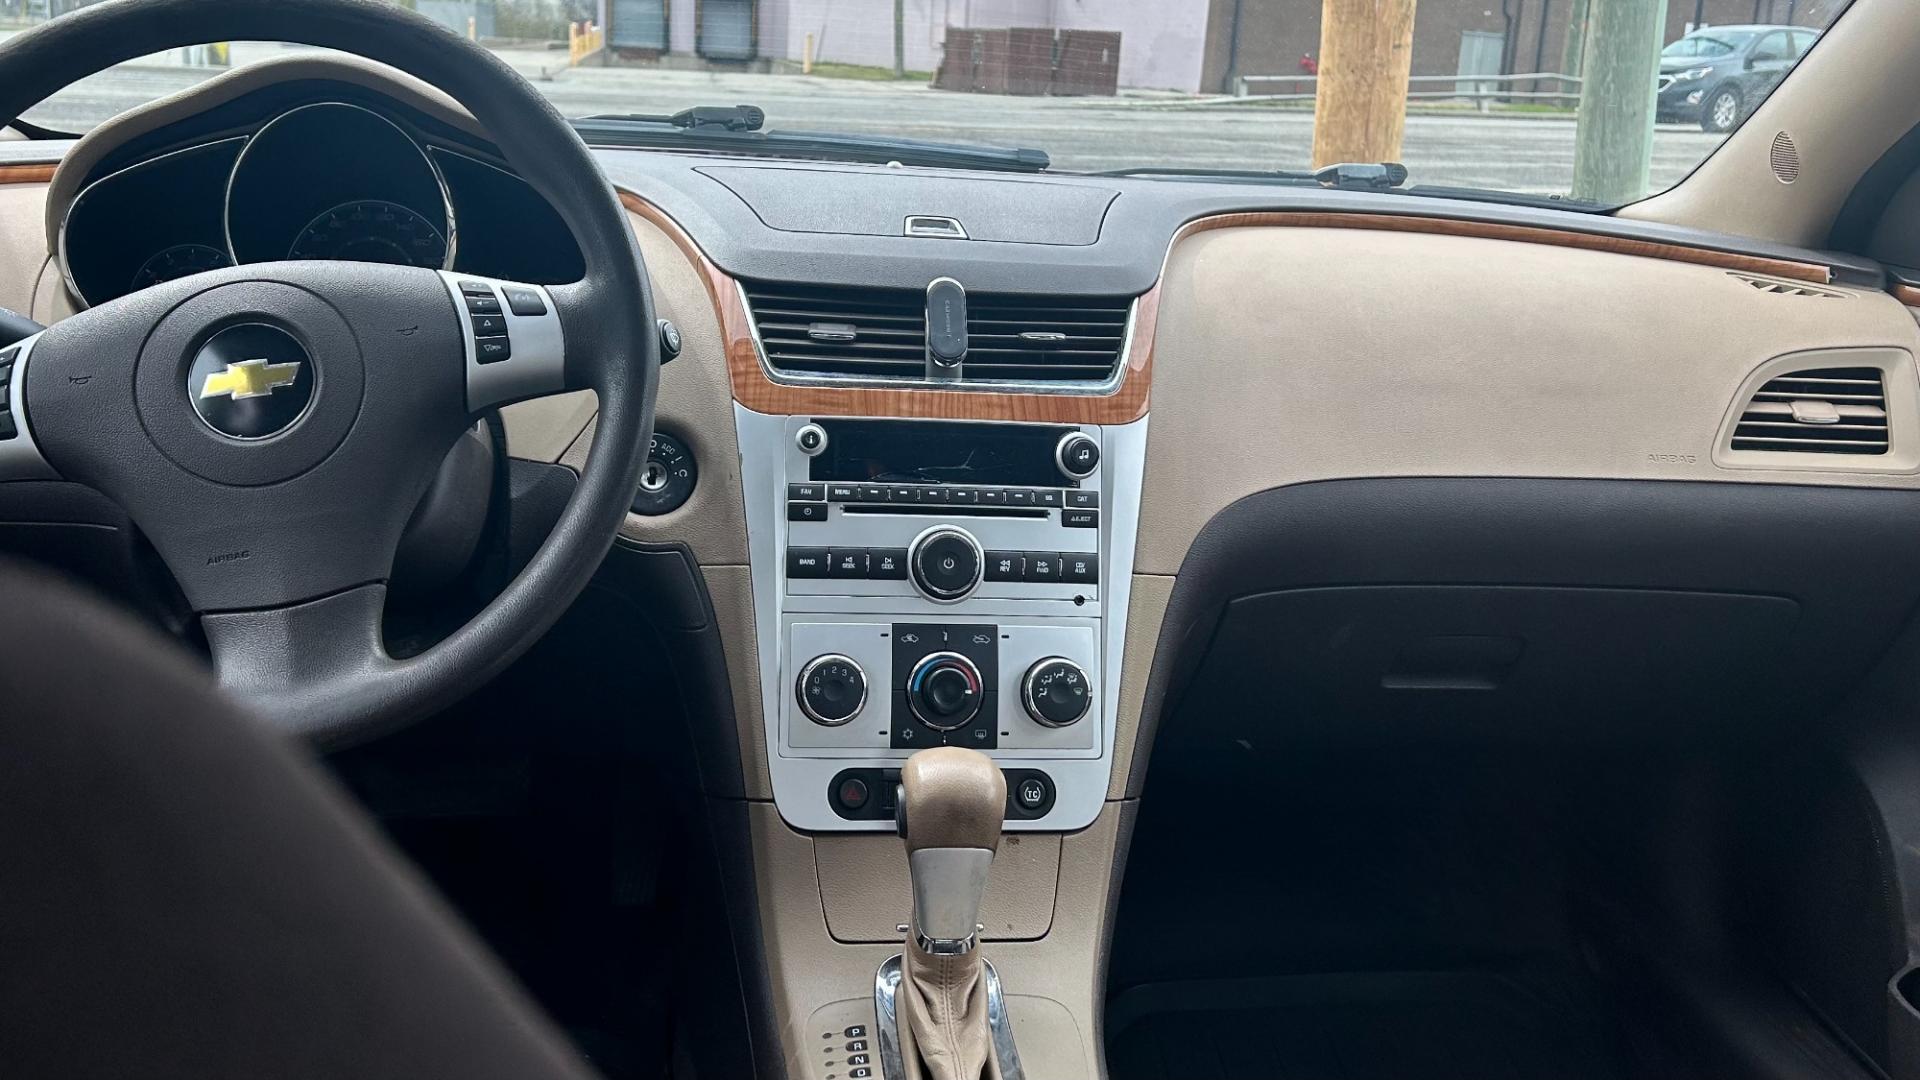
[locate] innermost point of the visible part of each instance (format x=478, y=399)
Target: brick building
x=1198, y=46
x=1481, y=37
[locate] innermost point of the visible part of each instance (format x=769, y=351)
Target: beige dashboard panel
x=866, y=893
x=695, y=405
x=20, y=206
x=1400, y=354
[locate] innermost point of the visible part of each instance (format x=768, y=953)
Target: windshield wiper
x=1346, y=176
x=736, y=129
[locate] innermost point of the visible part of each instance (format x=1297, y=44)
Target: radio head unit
x=936, y=452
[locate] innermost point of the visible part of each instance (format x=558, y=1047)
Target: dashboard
x=310, y=169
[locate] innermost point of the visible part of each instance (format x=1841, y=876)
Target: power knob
x=1055, y=692
x=945, y=563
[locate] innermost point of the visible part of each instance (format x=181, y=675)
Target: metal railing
x=1482, y=89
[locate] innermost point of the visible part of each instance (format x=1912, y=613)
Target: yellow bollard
x=806, y=54
x=473, y=28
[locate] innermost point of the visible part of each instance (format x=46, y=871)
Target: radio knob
x=832, y=689
x=945, y=563
x=944, y=690
x=1077, y=454
x=1055, y=692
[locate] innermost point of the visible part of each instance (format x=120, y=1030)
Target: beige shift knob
x=952, y=798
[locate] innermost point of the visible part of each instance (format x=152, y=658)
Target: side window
x=1771, y=47
x=1802, y=41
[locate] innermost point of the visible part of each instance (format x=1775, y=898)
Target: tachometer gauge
x=178, y=261
x=372, y=230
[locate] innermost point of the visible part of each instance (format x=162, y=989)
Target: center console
x=924, y=583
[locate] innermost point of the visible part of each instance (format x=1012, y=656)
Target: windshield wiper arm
x=1346, y=176
x=1353, y=176
x=730, y=117
x=735, y=129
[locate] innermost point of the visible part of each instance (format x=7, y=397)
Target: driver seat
x=185, y=894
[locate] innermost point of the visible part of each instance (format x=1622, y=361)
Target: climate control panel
x=901, y=687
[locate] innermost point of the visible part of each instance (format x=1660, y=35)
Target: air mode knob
x=1055, y=692
x=945, y=563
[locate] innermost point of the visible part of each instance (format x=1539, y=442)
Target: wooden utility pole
x=1613, y=140
x=1360, y=105
x=1575, y=55
x=899, y=39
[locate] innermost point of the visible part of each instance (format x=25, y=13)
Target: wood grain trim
x=26, y=174
x=1818, y=273
x=752, y=388
x=1906, y=294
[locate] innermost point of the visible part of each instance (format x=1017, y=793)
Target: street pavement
x=1529, y=154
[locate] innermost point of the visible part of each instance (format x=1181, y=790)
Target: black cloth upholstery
x=184, y=894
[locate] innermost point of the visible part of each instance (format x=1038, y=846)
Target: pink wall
x=1161, y=45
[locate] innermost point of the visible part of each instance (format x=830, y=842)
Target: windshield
x=1530, y=98
x=1708, y=44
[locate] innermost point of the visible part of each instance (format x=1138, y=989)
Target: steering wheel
x=271, y=427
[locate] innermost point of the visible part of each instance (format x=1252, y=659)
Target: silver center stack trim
x=1078, y=759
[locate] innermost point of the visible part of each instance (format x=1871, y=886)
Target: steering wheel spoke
x=293, y=661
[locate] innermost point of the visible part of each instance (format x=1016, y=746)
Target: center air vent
x=882, y=333
x=1823, y=411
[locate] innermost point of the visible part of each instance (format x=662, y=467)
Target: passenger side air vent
x=882, y=333
x=1044, y=338
x=1823, y=411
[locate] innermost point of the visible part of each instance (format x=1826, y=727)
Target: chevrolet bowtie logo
x=250, y=379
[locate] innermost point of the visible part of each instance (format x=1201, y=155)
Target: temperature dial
x=1055, y=692
x=944, y=691
x=832, y=689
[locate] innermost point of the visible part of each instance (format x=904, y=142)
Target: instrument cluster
x=332, y=180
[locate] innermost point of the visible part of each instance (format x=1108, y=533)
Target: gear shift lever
x=952, y=804
x=950, y=813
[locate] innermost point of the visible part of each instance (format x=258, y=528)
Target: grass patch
x=866, y=72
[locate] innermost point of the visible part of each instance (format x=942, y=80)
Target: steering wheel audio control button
x=832, y=689
x=1056, y=692
x=945, y=563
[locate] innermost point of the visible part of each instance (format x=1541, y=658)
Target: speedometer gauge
x=178, y=261
x=372, y=230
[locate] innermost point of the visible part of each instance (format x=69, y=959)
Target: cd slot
x=932, y=510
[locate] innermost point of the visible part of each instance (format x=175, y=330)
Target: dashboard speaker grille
x=1821, y=411
x=1785, y=158
x=882, y=333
